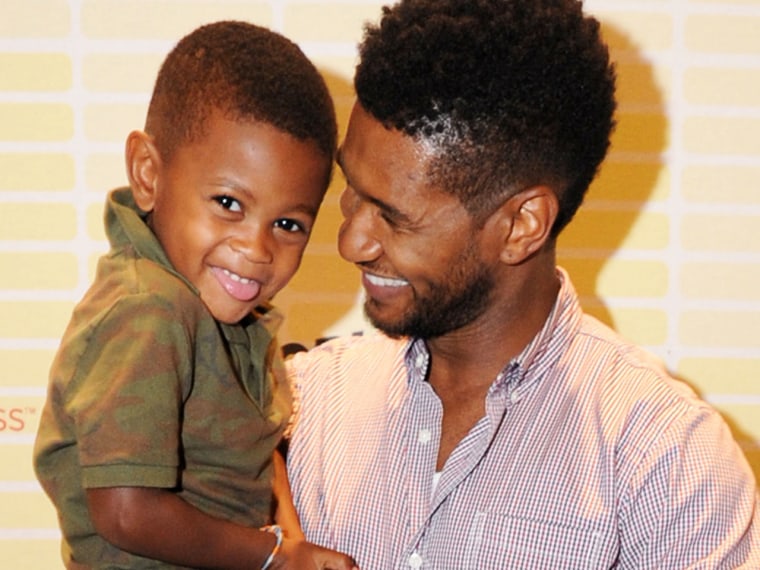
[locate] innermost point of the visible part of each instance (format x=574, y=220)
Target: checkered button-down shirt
x=588, y=457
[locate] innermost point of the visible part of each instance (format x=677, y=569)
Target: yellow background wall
x=667, y=248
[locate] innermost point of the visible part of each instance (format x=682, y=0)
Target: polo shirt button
x=415, y=561
x=424, y=436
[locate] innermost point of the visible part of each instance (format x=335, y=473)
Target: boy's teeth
x=236, y=277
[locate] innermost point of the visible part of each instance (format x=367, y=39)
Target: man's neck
x=465, y=362
x=476, y=353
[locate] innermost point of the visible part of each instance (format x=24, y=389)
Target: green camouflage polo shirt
x=147, y=389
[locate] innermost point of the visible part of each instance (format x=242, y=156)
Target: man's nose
x=358, y=238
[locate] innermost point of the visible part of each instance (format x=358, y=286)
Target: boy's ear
x=525, y=222
x=143, y=167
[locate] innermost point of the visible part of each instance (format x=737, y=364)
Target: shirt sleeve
x=692, y=502
x=295, y=398
x=127, y=394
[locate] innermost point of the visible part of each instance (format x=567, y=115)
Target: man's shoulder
x=631, y=383
x=350, y=356
x=615, y=356
x=359, y=347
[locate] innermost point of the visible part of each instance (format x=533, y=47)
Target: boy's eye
x=228, y=203
x=289, y=225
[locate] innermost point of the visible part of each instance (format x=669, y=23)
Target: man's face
x=417, y=247
x=233, y=212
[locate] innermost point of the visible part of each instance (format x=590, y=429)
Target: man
x=494, y=425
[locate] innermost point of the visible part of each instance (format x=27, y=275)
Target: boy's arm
x=285, y=515
x=158, y=524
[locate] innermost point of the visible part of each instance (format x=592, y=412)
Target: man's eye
x=228, y=203
x=391, y=220
x=289, y=225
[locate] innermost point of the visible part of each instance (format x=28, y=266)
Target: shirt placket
x=457, y=472
x=422, y=439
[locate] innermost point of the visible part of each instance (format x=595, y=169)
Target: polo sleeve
x=127, y=394
x=693, y=501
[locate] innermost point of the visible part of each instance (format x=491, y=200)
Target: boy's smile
x=233, y=211
x=242, y=288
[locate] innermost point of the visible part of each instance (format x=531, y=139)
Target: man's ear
x=525, y=222
x=143, y=167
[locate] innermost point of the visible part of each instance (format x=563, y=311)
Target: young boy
x=167, y=397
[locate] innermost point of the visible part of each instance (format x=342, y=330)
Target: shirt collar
x=417, y=358
x=550, y=342
x=126, y=225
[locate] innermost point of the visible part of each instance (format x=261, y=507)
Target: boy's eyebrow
x=306, y=209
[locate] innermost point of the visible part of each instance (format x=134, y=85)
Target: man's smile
x=385, y=281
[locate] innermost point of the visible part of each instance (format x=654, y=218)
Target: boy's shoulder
x=125, y=273
x=128, y=287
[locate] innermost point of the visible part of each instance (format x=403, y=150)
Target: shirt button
x=514, y=397
x=415, y=561
x=424, y=436
x=419, y=361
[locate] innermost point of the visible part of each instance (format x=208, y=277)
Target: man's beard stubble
x=450, y=305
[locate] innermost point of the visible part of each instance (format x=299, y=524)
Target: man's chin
x=401, y=329
x=391, y=329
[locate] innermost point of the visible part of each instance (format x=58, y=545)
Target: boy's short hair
x=508, y=93
x=248, y=73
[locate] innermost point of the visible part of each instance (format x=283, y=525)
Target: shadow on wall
x=633, y=174
x=611, y=218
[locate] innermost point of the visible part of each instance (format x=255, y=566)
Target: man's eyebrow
x=389, y=211
x=339, y=157
x=342, y=165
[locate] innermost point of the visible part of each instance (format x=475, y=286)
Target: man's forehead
x=369, y=140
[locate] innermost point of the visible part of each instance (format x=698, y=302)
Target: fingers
x=331, y=560
x=298, y=554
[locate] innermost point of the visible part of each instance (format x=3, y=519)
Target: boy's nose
x=254, y=246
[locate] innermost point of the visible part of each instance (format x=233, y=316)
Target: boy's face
x=234, y=211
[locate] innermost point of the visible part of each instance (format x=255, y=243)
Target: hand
x=302, y=555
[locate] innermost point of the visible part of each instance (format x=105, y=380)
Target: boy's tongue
x=241, y=289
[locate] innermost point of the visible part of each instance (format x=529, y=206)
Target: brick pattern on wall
x=666, y=249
